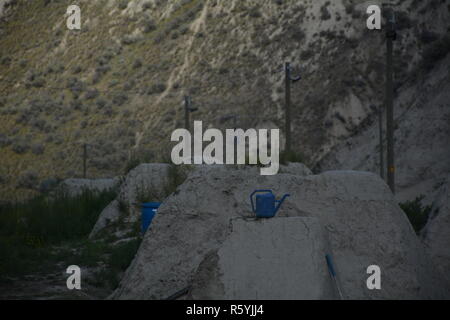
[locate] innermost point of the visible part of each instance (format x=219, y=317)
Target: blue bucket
x=148, y=212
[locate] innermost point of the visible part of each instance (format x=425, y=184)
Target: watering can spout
x=280, y=202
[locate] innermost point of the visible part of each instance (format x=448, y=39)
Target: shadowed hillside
x=118, y=83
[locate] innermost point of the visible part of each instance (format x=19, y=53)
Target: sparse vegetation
x=254, y=12
x=123, y=4
x=5, y=61
x=38, y=149
x=101, y=103
x=29, y=230
x=20, y=147
x=435, y=52
x=214, y=64
x=176, y=175
x=123, y=254
x=298, y=34
x=120, y=98
x=137, y=64
x=4, y=140
x=116, y=258
x=129, y=39
x=286, y=157
x=91, y=94
x=416, y=213
x=146, y=6
x=156, y=88
x=324, y=13
x=27, y=180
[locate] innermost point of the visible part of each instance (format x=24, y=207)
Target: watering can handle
x=253, y=193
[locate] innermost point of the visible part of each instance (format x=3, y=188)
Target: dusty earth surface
x=354, y=216
x=50, y=284
x=361, y=217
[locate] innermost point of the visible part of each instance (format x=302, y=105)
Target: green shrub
x=136, y=159
x=105, y=278
x=149, y=26
x=156, y=89
x=123, y=4
x=349, y=8
x=20, y=147
x=122, y=254
x=137, y=64
x=28, y=180
x=146, y=6
x=176, y=175
x=416, y=213
x=19, y=255
x=38, y=149
x=159, y=37
x=91, y=254
x=129, y=39
x=254, y=12
x=91, y=94
x=54, y=218
x=28, y=230
x=120, y=257
x=119, y=98
x=435, y=52
x=292, y=156
x=5, y=61
x=324, y=13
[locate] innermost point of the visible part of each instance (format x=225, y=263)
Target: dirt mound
x=281, y=258
x=436, y=234
x=146, y=180
x=362, y=220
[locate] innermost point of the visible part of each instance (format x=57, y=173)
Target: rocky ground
x=50, y=284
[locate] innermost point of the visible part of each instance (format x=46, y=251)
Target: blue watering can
x=266, y=203
x=149, y=210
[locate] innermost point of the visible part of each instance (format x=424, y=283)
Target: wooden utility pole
x=84, y=159
x=187, y=110
x=187, y=102
x=288, y=80
x=235, y=118
x=390, y=37
x=381, y=143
